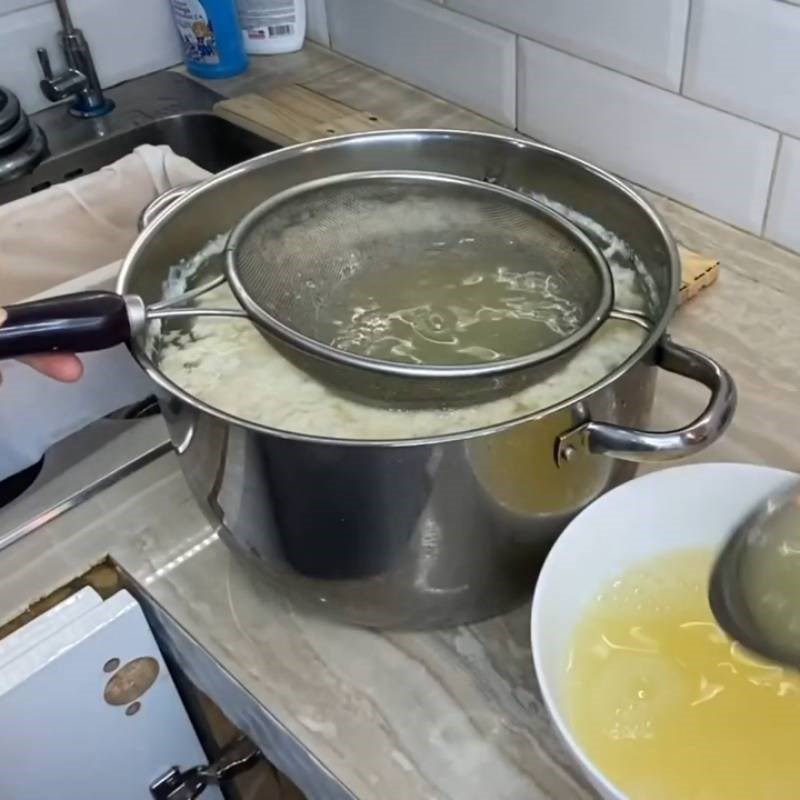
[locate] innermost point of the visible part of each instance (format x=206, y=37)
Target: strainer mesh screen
x=295, y=250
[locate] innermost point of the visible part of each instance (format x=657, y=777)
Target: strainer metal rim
x=310, y=346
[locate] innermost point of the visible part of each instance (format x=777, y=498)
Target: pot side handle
x=629, y=444
x=156, y=206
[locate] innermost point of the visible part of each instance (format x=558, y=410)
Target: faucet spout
x=66, y=17
x=80, y=79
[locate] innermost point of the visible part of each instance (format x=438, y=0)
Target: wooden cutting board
x=698, y=272
x=291, y=114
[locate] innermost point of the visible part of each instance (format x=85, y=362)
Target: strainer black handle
x=71, y=323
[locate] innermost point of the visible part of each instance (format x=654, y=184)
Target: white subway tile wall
x=449, y=54
x=317, y=22
x=6, y=6
x=125, y=42
x=673, y=145
x=644, y=38
x=744, y=57
x=783, y=217
x=728, y=72
x=21, y=32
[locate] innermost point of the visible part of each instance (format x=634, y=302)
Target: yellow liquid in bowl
x=666, y=706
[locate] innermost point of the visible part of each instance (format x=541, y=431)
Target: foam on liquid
x=450, y=307
x=666, y=705
x=229, y=365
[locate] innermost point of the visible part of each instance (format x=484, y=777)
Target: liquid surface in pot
x=229, y=365
x=453, y=308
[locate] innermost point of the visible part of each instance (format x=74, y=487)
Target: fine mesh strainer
x=290, y=256
x=294, y=259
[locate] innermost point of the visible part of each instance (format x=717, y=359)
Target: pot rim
x=162, y=220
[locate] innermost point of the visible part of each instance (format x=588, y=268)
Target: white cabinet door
x=87, y=706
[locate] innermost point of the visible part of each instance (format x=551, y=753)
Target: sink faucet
x=80, y=78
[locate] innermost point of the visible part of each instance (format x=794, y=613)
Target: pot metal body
x=446, y=530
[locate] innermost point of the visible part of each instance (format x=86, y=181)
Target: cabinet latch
x=177, y=784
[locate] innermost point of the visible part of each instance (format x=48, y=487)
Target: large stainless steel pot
x=437, y=531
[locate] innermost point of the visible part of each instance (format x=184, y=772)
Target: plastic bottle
x=272, y=26
x=212, y=39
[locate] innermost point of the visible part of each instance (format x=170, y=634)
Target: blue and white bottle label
x=196, y=31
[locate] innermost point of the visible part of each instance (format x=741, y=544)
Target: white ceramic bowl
x=689, y=506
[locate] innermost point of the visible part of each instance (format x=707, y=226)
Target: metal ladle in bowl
x=754, y=590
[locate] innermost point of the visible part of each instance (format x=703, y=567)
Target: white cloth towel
x=73, y=228
x=65, y=239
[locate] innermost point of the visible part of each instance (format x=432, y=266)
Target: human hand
x=63, y=367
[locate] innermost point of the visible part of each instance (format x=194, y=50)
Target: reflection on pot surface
x=513, y=469
x=423, y=535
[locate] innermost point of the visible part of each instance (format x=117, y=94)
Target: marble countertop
x=452, y=714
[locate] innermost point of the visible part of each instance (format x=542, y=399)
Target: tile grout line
x=517, y=73
x=519, y=41
x=521, y=38
x=689, y=99
x=558, y=49
x=352, y=61
x=328, y=18
x=327, y=24
x=457, y=103
x=685, y=58
x=771, y=186
x=28, y=5
x=637, y=186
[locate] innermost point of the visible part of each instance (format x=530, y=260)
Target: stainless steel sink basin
x=210, y=141
x=164, y=108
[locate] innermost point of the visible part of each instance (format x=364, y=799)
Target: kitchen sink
x=164, y=108
x=210, y=141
